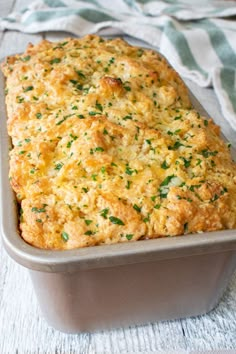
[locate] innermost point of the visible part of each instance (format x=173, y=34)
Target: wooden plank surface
x=23, y=329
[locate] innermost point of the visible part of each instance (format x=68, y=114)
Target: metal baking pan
x=103, y=287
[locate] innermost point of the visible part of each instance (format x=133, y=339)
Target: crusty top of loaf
x=107, y=148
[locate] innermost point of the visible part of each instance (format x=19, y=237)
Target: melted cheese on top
x=107, y=147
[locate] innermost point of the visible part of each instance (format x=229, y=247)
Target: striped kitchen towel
x=197, y=37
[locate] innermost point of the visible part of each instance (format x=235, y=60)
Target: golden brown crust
x=108, y=149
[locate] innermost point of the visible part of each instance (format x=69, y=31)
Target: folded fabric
x=198, y=37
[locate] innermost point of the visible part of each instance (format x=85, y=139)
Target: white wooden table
x=22, y=328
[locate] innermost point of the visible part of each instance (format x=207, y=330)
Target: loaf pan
x=103, y=287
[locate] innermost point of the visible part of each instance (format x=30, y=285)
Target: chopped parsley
x=206, y=153
x=64, y=236
x=157, y=206
x=199, y=161
x=167, y=180
x=128, y=117
x=140, y=52
x=99, y=106
x=39, y=210
x=65, y=118
x=89, y=233
x=178, y=117
x=128, y=185
x=96, y=149
x=27, y=58
x=104, y=213
x=129, y=236
x=80, y=73
x=115, y=220
x=176, y=145
x=38, y=115
x=28, y=88
x=112, y=60
x=164, y=186
x=187, y=163
x=92, y=113
x=129, y=170
x=20, y=99
x=127, y=88
x=164, y=165
x=55, y=61
x=105, y=132
x=148, y=141
x=58, y=166
x=99, y=148
x=137, y=208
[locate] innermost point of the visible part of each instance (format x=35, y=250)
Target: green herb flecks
x=129, y=171
x=165, y=185
x=104, y=213
x=81, y=74
x=176, y=145
x=129, y=236
x=64, y=236
x=58, y=166
x=20, y=99
x=65, y=118
x=93, y=113
x=27, y=58
x=89, y=233
x=140, y=52
x=187, y=163
x=99, y=106
x=115, y=220
x=96, y=149
x=164, y=165
x=167, y=180
x=28, y=88
x=137, y=208
x=38, y=115
x=128, y=184
x=206, y=153
x=157, y=206
x=39, y=210
x=128, y=117
x=55, y=61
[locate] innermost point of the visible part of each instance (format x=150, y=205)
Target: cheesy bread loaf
x=107, y=147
